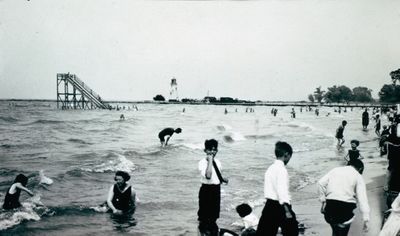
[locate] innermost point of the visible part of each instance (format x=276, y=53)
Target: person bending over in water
x=11, y=200
x=121, y=197
x=166, y=134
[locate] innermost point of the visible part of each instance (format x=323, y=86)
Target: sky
x=257, y=50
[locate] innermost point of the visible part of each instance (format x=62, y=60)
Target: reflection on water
x=124, y=222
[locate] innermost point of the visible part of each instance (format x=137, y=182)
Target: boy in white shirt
x=210, y=190
x=250, y=220
x=277, y=211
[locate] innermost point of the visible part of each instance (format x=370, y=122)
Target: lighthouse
x=173, y=93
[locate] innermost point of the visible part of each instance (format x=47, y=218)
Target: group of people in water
x=340, y=190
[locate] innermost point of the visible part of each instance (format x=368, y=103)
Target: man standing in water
x=166, y=134
x=340, y=190
x=277, y=211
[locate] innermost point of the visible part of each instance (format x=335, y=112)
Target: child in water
x=339, y=134
x=11, y=200
x=354, y=153
x=250, y=220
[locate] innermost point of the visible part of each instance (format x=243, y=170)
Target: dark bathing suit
x=365, y=119
x=339, y=132
x=11, y=201
x=165, y=132
x=353, y=155
x=122, y=200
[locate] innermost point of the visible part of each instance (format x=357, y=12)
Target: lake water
x=80, y=150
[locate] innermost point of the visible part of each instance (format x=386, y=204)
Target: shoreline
x=308, y=210
x=246, y=103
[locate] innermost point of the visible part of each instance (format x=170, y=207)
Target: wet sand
x=308, y=211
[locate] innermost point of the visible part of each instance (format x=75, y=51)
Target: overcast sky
x=258, y=50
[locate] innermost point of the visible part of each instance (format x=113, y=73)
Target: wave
x=44, y=179
x=155, y=152
x=120, y=163
x=223, y=127
x=16, y=146
x=35, y=211
x=31, y=210
x=259, y=136
x=193, y=146
x=78, y=141
x=8, y=119
x=8, y=172
x=43, y=121
x=301, y=125
x=234, y=136
x=156, y=205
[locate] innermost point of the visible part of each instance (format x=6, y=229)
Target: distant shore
x=257, y=103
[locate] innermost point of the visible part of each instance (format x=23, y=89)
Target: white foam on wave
x=27, y=212
x=44, y=179
x=302, y=125
x=120, y=163
x=224, y=127
x=194, y=146
x=100, y=209
x=237, y=136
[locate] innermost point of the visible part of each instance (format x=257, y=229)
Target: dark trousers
x=273, y=217
x=338, y=212
x=340, y=229
x=209, y=207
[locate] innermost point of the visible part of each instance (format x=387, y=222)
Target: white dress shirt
x=276, y=183
x=345, y=184
x=214, y=177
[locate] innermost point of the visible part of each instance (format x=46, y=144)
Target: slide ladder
x=81, y=97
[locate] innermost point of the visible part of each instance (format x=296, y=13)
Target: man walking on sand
x=340, y=190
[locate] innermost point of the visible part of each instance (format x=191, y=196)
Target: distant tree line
x=341, y=93
x=389, y=93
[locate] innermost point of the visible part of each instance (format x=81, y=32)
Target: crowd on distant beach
x=341, y=190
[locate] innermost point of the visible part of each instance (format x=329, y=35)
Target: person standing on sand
x=339, y=134
x=166, y=134
x=340, y=190
x=278, y=211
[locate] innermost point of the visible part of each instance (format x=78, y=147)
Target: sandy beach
x=309, y=210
